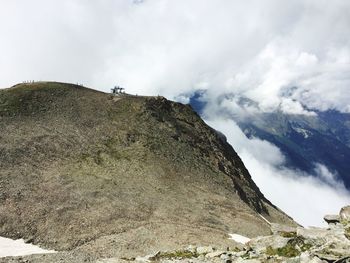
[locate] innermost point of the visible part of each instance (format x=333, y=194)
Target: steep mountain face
x=305, y=140
x=87, y=171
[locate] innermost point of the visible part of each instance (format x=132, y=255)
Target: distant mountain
x=305, y=140
x=104, y=175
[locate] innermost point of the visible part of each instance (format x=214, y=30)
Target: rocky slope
x=285, y=244
x=96, y=175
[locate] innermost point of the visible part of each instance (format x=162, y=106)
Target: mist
x=304, y=197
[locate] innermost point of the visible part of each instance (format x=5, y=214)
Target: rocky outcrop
x=332, y=219
x=345, y=213
x=286, y=244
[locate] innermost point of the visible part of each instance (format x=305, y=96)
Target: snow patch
x=10, y=247
x=267, y=221
x=239, y=238
x=305, y=133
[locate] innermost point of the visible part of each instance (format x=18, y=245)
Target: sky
x=287, y=55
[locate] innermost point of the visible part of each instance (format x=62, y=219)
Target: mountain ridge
x=81, y=168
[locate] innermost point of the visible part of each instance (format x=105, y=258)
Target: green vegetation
x=236, y=249
x=175, y=254
x=287, y=234
x=293, y=248
x=286, y=251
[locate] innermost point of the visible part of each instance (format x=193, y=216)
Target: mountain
x=99, y=175
x=305, y=140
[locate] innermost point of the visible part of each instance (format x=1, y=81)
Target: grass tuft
x=293, y=248
x=176, y=254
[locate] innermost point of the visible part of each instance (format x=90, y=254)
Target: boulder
x=313, y=232
x=204, y=250
x=316, y=260
x=214, y=254
x=248, y=260
x=148, y=258
x=345, y=213
x=224, y=257
x=282, y=229
x=332, y=219
x=259, y=244
x=191, y=249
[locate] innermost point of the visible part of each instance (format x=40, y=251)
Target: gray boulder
x=332, y=219
x=278, y=229
x=205, y=250
x=259, y=244
x=345, y=213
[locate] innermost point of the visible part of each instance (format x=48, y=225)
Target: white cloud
x=252, y=48
x=304, y=197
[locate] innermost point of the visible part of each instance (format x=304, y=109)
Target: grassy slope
x=78, y=166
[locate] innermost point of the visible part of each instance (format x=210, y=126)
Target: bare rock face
x=345, y=213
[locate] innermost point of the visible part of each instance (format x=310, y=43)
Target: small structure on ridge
x=118, y=90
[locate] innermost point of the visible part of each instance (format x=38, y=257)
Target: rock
x=333, y=236
x=343, y=260
x=201, y=258
x=241, y=253
x=142, y=259
x=111, y=260
x=278, y=229
x=312, y=232
x=345, y=213
x=204, y=250
x=327, y=257
x=316, y=260
x=260, y=244
x=225, y=257
x=148, y=258
x=191, y=249
x=339, y=228
x=287, y=245
x=214, y=254
x=293, y=260
x=305, y=257
x=332, y=219
x=248, y=260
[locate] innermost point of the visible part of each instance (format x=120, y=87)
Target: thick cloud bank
x=254, y=48
x=290, y=55
x=306, y=198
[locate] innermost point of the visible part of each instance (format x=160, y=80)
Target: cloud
x=252, y=48
x=304, y=197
